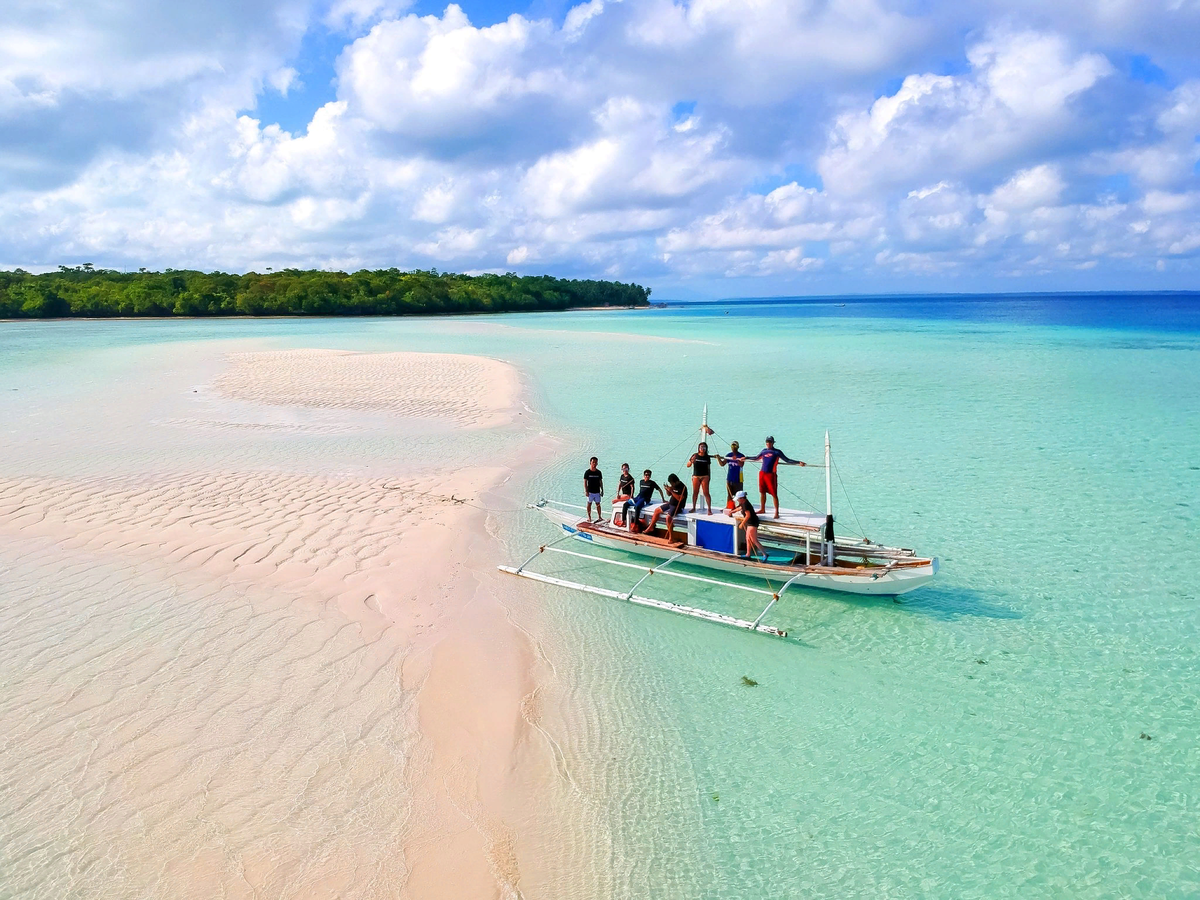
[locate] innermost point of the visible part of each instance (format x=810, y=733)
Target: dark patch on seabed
x=956, y=602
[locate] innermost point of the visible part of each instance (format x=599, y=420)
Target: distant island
x=88, y=292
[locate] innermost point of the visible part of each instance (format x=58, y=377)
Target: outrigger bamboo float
x=801, y=549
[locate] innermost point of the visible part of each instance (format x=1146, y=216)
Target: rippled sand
x=470, y=391
x=378, y=549
x=251, y=683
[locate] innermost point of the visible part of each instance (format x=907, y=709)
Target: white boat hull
x=870, y=581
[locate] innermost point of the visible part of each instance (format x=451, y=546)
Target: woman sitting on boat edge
x=747, y=518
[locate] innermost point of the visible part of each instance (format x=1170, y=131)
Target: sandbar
x=396, y=557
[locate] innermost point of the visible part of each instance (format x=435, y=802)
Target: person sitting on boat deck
x=734, y=460
x=646, y=488
x=701, y=466
x=625, y=484
x=747, y=518
x=593, y=489
x=672, y=507
x=768, y=478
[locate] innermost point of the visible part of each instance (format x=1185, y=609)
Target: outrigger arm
x=775, y=598
x=650, y=572
x=540, y=550
x=631, y=597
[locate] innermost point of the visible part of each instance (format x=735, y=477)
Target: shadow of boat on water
x=937, y=602
x=945, y=602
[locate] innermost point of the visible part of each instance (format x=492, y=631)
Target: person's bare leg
x=775, y=497
x=695, y=491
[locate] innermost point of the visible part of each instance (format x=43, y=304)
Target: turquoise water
x=982, y=738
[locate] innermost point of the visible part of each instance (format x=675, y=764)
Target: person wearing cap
x=768, y=477
x=732, y=462
x=743, y=512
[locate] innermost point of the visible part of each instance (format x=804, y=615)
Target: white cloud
x=645, y=139
x=443, y=87
x=636, y=160
x=1028, y=189
x=1014, y=104
x=283, y=79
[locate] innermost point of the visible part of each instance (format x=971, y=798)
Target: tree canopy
x=87, y=292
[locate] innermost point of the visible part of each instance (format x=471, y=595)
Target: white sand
x=396, y=557
x=470, y=391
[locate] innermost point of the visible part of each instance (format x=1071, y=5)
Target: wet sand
x=390, y=573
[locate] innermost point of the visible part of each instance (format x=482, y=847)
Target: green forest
x=87, y=292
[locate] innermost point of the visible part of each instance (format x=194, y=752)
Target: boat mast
x=828, y=506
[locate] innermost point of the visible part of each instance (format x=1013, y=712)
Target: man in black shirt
x=593, y=489
x=646, y=489
x=672, y=506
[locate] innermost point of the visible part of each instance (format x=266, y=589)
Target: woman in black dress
x=701, y=466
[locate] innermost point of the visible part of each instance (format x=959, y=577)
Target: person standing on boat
x=744, y=514
x=734, y=460
x=701, y=466
x=673, y=506
x=593, y=489
x=646, y=488
x=768, y=478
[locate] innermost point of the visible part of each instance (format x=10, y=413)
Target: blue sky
x=703, y=147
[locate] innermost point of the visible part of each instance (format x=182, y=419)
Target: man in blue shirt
x=732, y=462
x=768, y=478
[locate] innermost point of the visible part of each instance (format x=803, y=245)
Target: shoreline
x=465, y=314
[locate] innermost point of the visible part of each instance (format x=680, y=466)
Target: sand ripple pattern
x=211, y=700
x=470, y=391
x=347, y=541
x=168, y=738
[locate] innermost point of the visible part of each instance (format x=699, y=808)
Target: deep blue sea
x=1165, y=311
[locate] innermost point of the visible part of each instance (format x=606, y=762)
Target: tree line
x=88, y=292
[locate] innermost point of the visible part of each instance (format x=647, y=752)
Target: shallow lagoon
x=981, y=738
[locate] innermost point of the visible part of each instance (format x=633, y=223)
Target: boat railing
x=560, y=503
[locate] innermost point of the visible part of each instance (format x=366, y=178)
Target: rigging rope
x=862, y=532
x=669, y=452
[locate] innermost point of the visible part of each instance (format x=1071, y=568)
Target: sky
x=704, y=148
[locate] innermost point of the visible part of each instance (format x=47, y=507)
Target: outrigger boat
x=801, y=549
